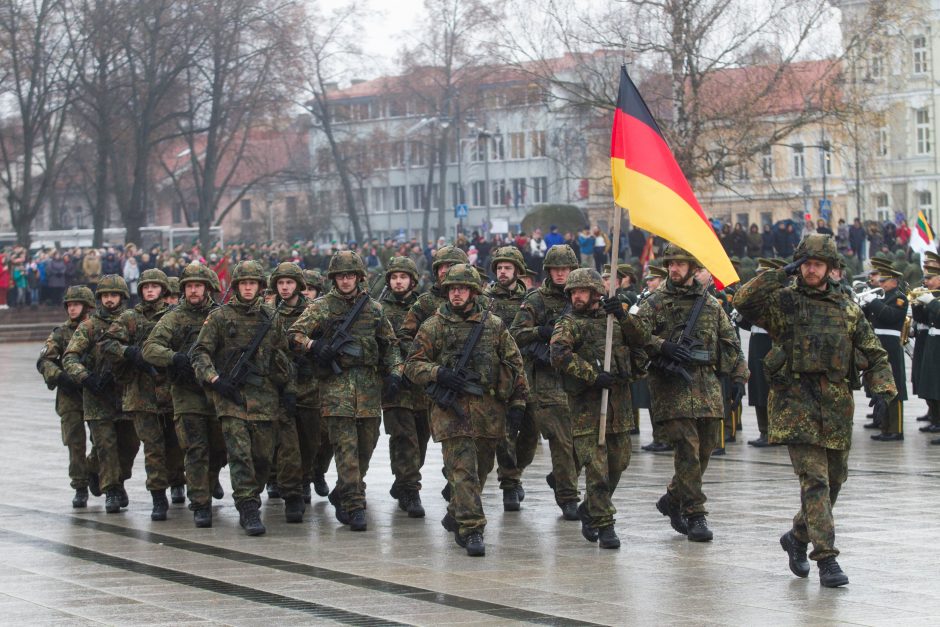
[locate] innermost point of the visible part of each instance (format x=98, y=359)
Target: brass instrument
x=859, y=293
x=913, y=294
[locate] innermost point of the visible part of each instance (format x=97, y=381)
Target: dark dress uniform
x=887, y=316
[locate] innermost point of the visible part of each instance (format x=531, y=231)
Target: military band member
x=927, y=307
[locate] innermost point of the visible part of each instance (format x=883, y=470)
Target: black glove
x=879, y=403
x=545, y=332
x=289, y=403
x=67, y=383
x=794, y=266
x=604, y=380
x=613, y=306
x=226, y=389
x=181, y=362
x=323, y=352
x=133, y=355
x=676, y=352
x=737, y=393
x=449, y=378
x=93, y=382
x=514, y=419
x=392, y=386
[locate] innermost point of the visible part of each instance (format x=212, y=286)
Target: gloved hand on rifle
x=794, y=266
x=64, y=382
x=514, y=418
x=322, y=351
x=133, y=355
x=449, y=378
x=613, y=306
x=94, y=383
x=545, y=332
x=289, y=403
x=737, y=393
x=676, y=352
x=392, y=386
x=183, y=366
x=227, y=389
x=604, y=380
x=879, y=404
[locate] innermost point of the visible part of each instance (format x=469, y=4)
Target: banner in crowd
x=922, y=237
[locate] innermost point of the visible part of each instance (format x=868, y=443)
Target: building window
x=925, y=204
x=518, y=192
x=876, y=67
x=399, y=198
x=767, y=162
x=417, y=153
x=478, y=149
x=396, y=154
x=922, y=128
x=417, y=197
x=500, y=193
x=478, y=193
x=246, y=208
x=743, y=174
x=919, y=50
x=882, y=207
x=379, y=204
x=537, y=143
x=517, y=145
x=458, y=194
x=539, y=189
x=881, y=141
x=799, y=162
x=825, y=160
x=766, y=218
x=497, y=151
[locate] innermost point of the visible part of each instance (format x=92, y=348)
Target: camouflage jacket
x=506, y=301
x=176, y=332
x=541, y=306
x=666, y=312
x=423, y=308
x=396, y=309
x=627, y=295
x=142, y=391
x=495, y=358
x=578, y=352
x=820, y=341
x=226, y=331
x=85, y=355
x=357, y=391
x=306, y=383
x=50, y=367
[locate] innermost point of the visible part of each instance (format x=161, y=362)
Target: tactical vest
x=593, y=338
x=676, y=312
x=364, y=350
x=817, y=342
x=496, y=378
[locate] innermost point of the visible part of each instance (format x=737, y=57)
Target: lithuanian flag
x=922, y=237
x=649, y=184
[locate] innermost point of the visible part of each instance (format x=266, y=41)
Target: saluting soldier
x=820, y=342
x=78, y=302
x=927, y=308
x=170, y=345
x=317, y=442
x=471, y=430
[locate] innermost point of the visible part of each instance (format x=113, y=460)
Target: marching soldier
x=532, y=329
x=244, y=363
x=472, y=428
x=319, y=450
x=146, y=394
x=685, y=386
x=78, y=302
x=350, y=371
x=626, y=285
x=170, y=345
x=405, y=413
x=639, y=389
x=578, y=345
x=112, y=432
x=821, y=341
x=513, y=455
x=927, y=308
x=172, y=297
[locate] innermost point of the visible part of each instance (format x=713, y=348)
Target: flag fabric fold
x=922, y=237
x=648, y=182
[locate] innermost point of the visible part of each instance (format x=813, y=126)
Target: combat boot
x=178, y=494
x=294, y=509
x=203, y=517
x=307, y=495
x=320, y=485
x=607, y=538
x=590, y=533
x=510, y=500
x=569, y=510
x=830, y=573
x=94, y=484
x=217, y=491
x=473, y=542
x=718, y=452
x=415, y=508
x=335, y=501
x=550, y=480
x=122, y=494
x=698, y=529
x=450, y=523
x=759, y=442
x=160, y=505
x=80, y=499
x=112, y=501
x=924, y=418
x=796, y=553
x=274, y=492
x=668, y=507
x=446, y=492
x=521, y=492
x=357, y=520
x=250, y=518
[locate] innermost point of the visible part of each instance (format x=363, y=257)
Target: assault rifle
x=541, y=351
x=446, y=398
x=665, y=363
x=241, y=368
x=341, y=342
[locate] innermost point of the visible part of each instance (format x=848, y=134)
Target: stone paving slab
x=60, y=566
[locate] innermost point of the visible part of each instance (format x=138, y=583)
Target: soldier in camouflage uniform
x=79, y=302
x=820, y=342
x=513, y=455
x=406, y=412
x=317, y=442
x=532, y=329
x=470, y=432
x=578, y=345
x=689, y=412
x=350, y=401
x=170, y=345
x=640, y=390
x=172, y=297
x=146, y=393
x=112, y=432
x=246, y=413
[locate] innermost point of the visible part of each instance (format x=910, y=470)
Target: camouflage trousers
x=250, y=447
x=554, y=423
x=200, y=437
x=115, y=447
x=287, y=466
x=694, y=440
x=73, y=437
x=822, y=472
x=316, y=452
x=163, y=457
x=514, y=455
x=603, y=467
x=408, y=434
x=353, y=441
x=467, y=462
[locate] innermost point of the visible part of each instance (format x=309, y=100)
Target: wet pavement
x=77, y=567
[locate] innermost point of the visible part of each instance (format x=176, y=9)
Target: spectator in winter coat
x=637, y=240
x=553, y=238
x=131, y=276
x=857, y=239
x=842, y=237
x=755, y=242
x=585, y=245
x=782, y=244
x=91, y=268
x=767, y=242
x=55, y=277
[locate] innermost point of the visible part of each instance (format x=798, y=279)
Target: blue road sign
x=461, y=210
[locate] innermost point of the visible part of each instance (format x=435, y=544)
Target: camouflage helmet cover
x=587, y=278
x=313, y=279
x=248, y=271
x=174, y=284
x=402, y=264
x=675, y=253
x=816, y=246
x=112, y=284
x=346, y=261
x=462, y=274
x=509, y=254
x=153, y=275
x=448, y=254
x=198, y=273
x=561, y=256
x=287, y=270
x=79, y=294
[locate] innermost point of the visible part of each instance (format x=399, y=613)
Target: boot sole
x=793, y=564
x=511, y=507
x=294, y=518
x=707, y=538
x=256, y=532
x=362, y=527
x=79, y=505
x=416, y=514
x=672, y=523
x=476, y=552
x=157, y=517
x=203, y=525
x=835, y=584
x=610, y=545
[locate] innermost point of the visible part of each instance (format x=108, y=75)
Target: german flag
x=649, y=184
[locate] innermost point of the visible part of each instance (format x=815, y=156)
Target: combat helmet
x=313, y=279
x=402, y=264
x=112, y=284
x=346, y=261
x=153, y=275
x=674, y=253
x=248, y=271
x=174, y=284
x=78, y=294
x=511, y=255
x=816, y=246
x=448, y=254
x=585, y=277
x=561, y=256
x=198, y=273
x=462, y=274
x=287, y=270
